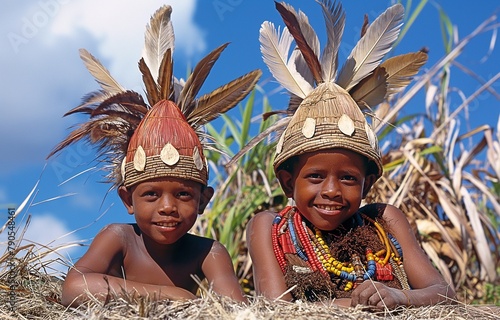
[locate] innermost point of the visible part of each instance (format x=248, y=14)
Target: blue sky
x=43, y=77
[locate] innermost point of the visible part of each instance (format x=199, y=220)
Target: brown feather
x=109, y=129
x=402, y=68
x=152, y=92
x=210, y=106
x=77, y=134
x=165, y=81
x=100, y=73
x=372, y=90
x=89, y=100
x=388, y=78
x=130, y=101
x=293, y=26
x=125, y=116
x=365, y=25
x=267, y=115
x=196, y=80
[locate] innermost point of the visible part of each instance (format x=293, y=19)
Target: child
x=156, y=161
x=327, y=246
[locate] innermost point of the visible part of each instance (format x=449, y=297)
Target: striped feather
x=372, y=47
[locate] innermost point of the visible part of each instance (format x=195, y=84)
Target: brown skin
x=155, y=257
x=327, y=187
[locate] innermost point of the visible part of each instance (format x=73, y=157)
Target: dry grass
x=38, y=294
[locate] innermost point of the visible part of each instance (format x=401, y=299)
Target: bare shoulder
x=116, y=234
x=391, y=215
x=106, y=250
x=261, y=221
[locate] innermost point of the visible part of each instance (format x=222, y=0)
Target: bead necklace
x=291, y=235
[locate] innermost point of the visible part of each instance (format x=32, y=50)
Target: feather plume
x=210, y=106
x=88, y=101
x=165, y=81
x=274, y=49
x=372, y=47
x=115, y=114
x=129, y=101
x=388, y=78
x=401, y=69
x=196, y=80
x=372, y=90
x=301, y=66
x=364, y=26
x=152, y=91
x=100, y=73
x=293, y=25
x=159, y=37
x=313, y=41
x=335, y=21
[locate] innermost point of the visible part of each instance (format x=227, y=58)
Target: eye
x=349, y=177
x=314, y=177
x=185, y=195
x=150, y=194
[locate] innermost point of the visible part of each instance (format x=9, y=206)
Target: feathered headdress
x=164, y=136
x=326, y=107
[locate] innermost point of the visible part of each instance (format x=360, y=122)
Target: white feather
x=274, y=51
x=301, y=66
x=159, y=37
x=335, y=21
x=312, y=40
x=308, y=32
x=101, y=75
x=372, y=47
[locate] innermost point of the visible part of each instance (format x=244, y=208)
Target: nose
x=167, y=205
x=330, y=189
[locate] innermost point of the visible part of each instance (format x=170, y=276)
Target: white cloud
x=119, y=28
x=44, y=76
x=47, y=233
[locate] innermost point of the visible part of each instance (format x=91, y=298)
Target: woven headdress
x=326, y=108
x=164, y=137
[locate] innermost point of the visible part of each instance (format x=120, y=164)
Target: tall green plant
x=243, y=189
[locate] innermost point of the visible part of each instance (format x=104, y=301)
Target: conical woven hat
x=328, y=118
x=164, y=145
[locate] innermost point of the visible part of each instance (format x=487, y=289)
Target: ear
x=286, y=181
x=126, y=196
x=369, y=181
x=206, y=194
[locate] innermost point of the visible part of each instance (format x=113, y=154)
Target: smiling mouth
x=167, y=224
x=329, y=208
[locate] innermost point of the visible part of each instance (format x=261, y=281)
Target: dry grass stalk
x=38, y=297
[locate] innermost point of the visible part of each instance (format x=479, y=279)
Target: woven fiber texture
x=315, y=126
x=185, y=168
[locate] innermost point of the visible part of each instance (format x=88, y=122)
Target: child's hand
x=378, y=295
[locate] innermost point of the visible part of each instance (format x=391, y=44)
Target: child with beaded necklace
x=154, y=154
x=326, y=246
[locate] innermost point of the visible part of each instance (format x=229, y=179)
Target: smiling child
x=155, y=159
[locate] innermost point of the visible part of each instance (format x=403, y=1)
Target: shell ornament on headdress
x=326, y=107
x=164, y=137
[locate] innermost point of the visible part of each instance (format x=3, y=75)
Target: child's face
x=327, y=185
x=165, y=209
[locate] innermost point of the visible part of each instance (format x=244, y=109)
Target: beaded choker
x=291, y=236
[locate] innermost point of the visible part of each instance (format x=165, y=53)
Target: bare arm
x=269, y=280
x=94, y=274
x=428, y=286
x=219, y=272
